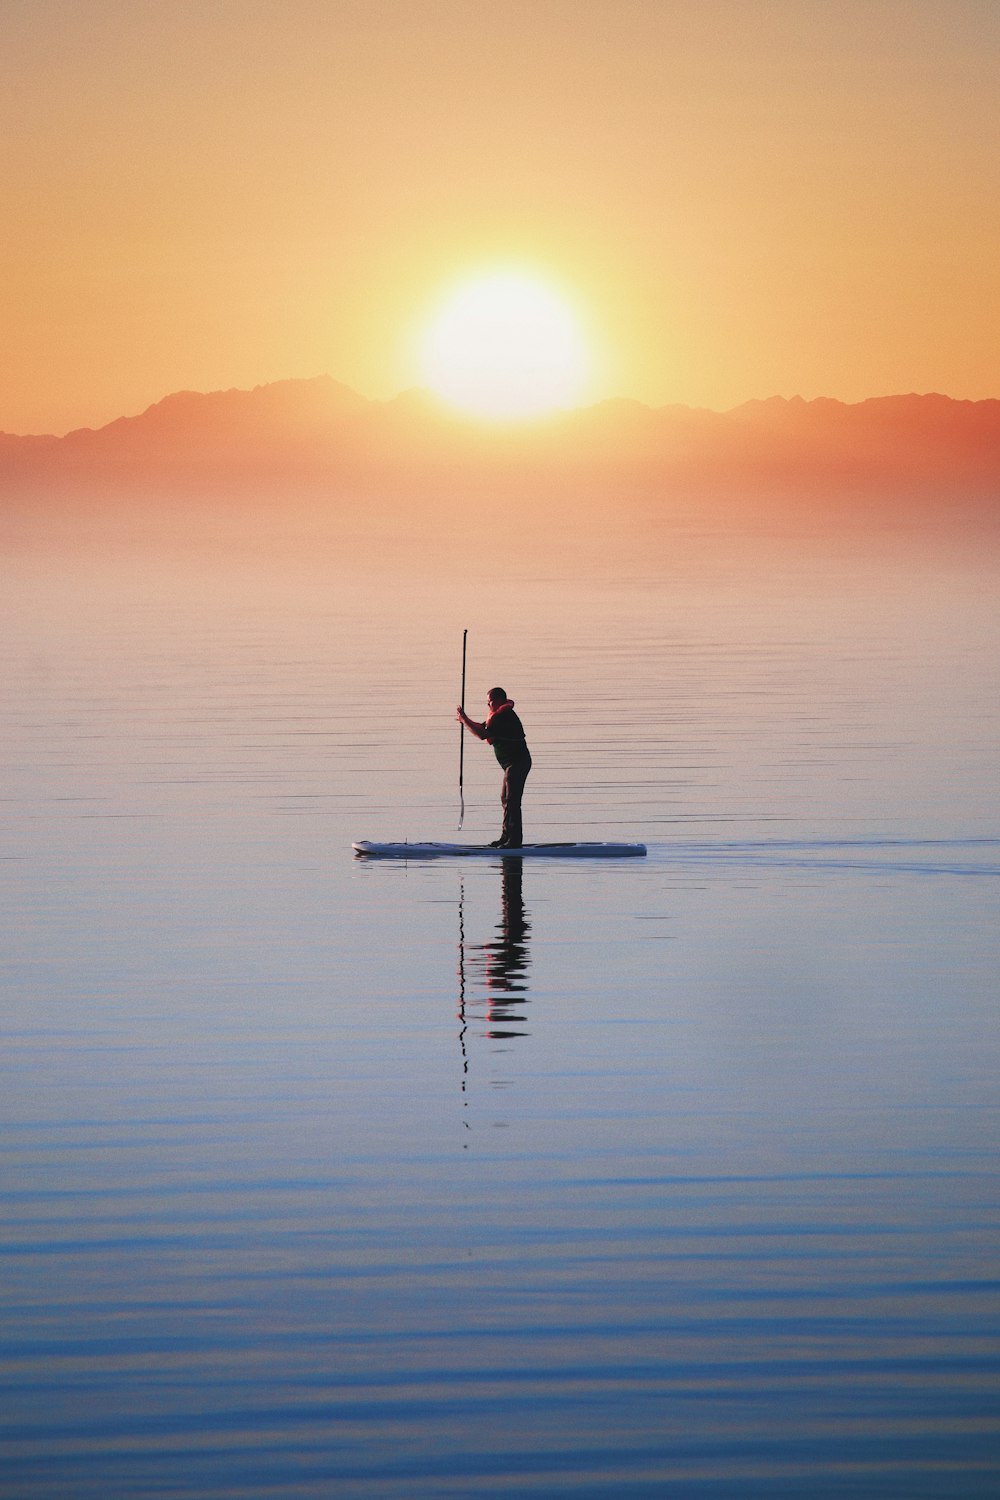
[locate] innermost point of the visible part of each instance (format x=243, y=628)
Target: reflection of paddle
x=461, y=742
x=461, y=998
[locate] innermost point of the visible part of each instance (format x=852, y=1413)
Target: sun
x=506, y=347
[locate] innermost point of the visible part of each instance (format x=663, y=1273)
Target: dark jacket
x=505, y=732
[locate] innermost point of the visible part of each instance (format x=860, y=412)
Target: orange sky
x=744, y=197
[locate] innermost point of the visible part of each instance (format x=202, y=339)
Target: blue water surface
x=672, y=1177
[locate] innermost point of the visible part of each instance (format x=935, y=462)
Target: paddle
x=461, y=742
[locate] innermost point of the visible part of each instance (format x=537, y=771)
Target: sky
x=738, y=198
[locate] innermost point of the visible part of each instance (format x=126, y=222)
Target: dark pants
x=510, y=799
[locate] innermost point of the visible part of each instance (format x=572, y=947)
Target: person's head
x=495, y=697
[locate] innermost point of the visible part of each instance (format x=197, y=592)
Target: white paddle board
x=570, y=850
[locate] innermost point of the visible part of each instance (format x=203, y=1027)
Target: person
x=504, y=731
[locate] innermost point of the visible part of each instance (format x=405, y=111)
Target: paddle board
x=568, y=850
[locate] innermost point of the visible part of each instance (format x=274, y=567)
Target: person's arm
x=479, y=730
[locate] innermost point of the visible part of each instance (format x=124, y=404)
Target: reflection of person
x=504, y=731
x=505, y=960
x=502, y=964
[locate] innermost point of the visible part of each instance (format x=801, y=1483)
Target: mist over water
x=667, y=1177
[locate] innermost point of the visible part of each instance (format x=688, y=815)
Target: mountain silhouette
x=319, y=430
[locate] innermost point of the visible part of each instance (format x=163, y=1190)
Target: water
x=667, y=1177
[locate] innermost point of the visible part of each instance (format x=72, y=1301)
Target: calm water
x=673, y=1177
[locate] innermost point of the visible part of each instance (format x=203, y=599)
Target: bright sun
x=504, y=346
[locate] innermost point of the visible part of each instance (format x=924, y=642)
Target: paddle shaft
x=461, y=736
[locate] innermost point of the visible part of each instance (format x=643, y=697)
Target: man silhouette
x=504, y=731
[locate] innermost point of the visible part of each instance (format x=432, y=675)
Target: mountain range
x=318, y=430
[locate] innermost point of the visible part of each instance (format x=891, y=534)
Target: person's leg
x=513, y=789
x=504, y=800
